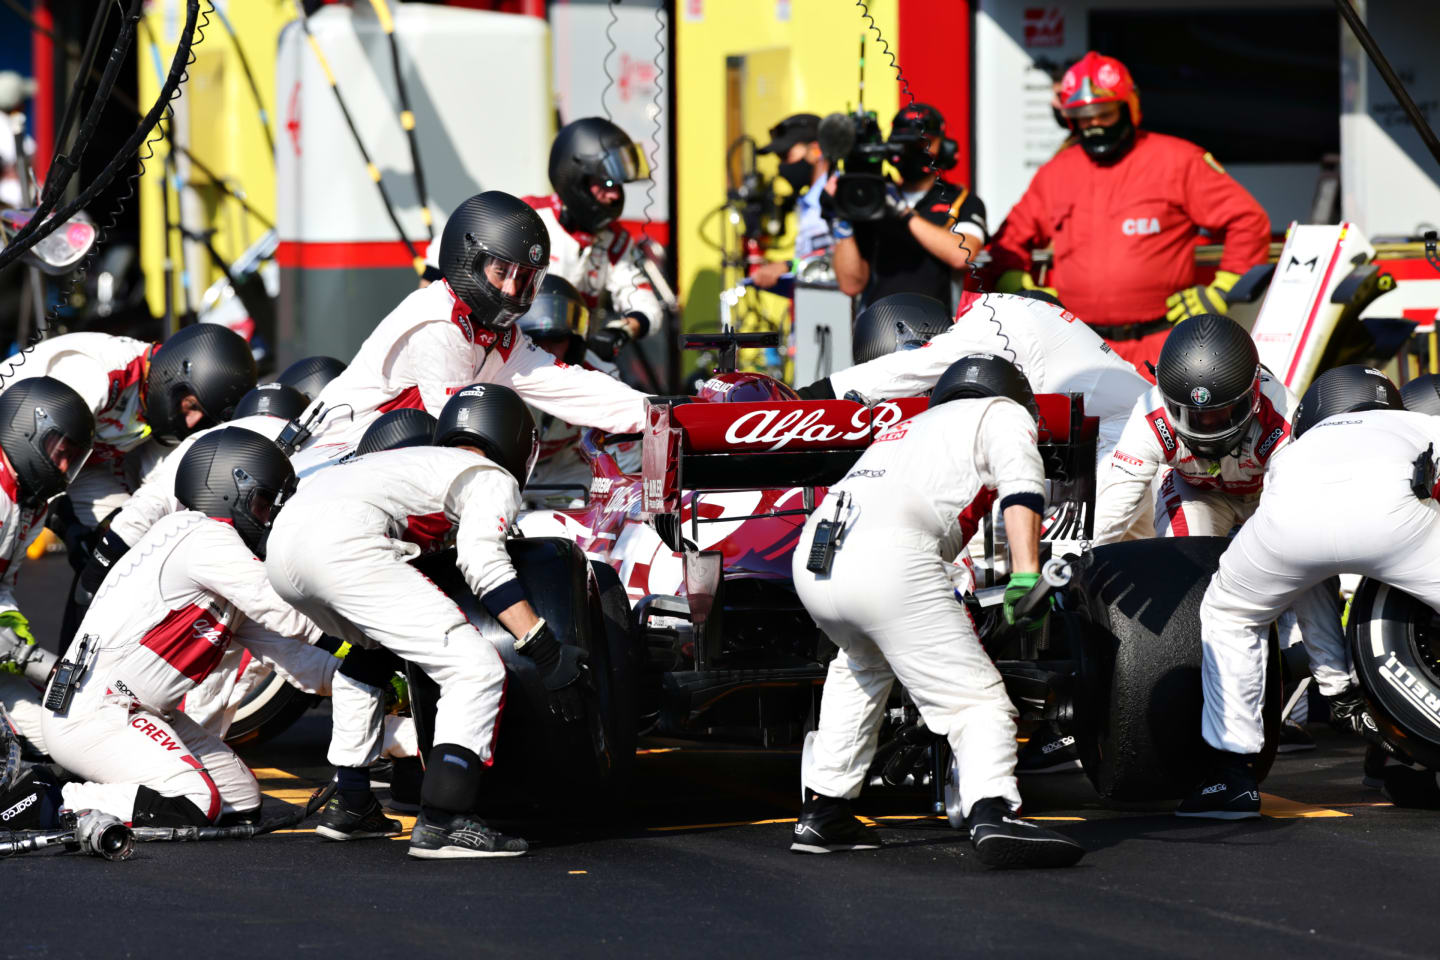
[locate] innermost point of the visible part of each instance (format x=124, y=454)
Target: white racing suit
x=18, y=526
x=561, y=463
x=1336, y=501
x=109, y=373
x=1057, y=353
x=427, y=349
x=596, y=263
x=164, y=618
x=888, y=604
x=1152, y=473
x=339, y=552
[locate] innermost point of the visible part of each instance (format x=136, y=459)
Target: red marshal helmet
x=1095, y=80
x=742, y=387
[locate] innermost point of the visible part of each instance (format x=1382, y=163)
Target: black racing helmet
x=557, y=312
x=210, y=362
x=47, y=431
x=1348, y=389
x=273, y=400
x=984, y=375
x=309, y=375
x=593, y=152
x=1422, y=394
x=403, y=427
x=238, y=476
x=494, y=254
x=901, y=321
x=495, y=419
x=1209, y=376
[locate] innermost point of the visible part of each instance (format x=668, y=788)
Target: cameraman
x=912, y=248
x=796, y=142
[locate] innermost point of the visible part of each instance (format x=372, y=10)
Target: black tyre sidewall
x=1401, y=692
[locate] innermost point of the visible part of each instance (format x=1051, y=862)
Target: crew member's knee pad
x=153, y=810
x=452, y=778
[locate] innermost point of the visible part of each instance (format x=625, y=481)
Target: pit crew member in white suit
x=884, y=598
x=163, y=619
x=341, y=555
x=1340, y=499
x=461, y=330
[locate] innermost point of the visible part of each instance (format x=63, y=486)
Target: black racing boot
x=1002, y=839
x=1294, y=738
x=340, y=822
x=1229, y=792
x=826, y=825
x=460, y=837
x=1049, y=750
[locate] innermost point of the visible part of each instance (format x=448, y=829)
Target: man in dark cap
x=796, y=142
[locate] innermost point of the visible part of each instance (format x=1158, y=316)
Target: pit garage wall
x=479, y=85
x=1015, y=132
x=801, y=58
x=1389, y=182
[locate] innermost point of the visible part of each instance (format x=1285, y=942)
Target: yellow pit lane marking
x=1281, y=809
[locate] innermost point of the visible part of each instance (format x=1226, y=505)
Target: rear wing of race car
x=813, y=443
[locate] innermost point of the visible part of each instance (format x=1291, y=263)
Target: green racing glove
x=1019, y=585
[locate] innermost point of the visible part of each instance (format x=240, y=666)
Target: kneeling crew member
x=161, y=622
x=341, y=556
x=884, y=598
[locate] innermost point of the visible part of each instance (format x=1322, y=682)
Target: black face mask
x=915, y=164
x=1108, y=144
x=799, y=174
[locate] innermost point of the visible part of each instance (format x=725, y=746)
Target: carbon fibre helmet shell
x=272, y=400
x=495, y=419
x=403, y=427
x=591, y=151
x=984, y=375
x=309, y=375
x=899, y=321
x=210, y=362
x=1422, y=394
x=495, y=231
x=42, y=418
x=1348, y=389
x=237, y=476
x=1209, y=376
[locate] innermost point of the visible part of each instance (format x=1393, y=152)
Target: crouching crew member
x=340, y=555
x=1343, y=498
x=46, y=431
x=871, y=569
x=164, y=618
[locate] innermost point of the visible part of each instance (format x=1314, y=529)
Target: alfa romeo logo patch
x=535, y=253
x=1200, y=395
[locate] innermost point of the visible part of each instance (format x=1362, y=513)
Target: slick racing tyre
x=1138, y=697
x=268, y=711
x=1395, y=642
x=621, y=702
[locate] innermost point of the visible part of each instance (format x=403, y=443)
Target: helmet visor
x=553, y=317
x=1213, y=421
x=909, y=338
x=624, y=164
x=518, y=281
x=67, y=455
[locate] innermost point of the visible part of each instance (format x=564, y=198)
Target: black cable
x=87, y=68
x=416, y=259
x=249, y=77
x=72, y=57
x=62, y=168
x=35, y=231
x=407, y=116
x=1417, y=119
